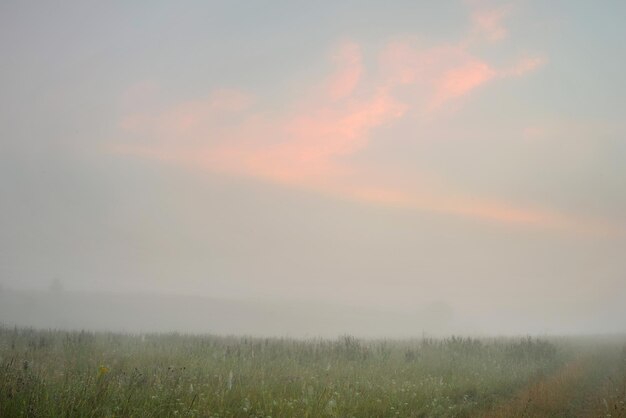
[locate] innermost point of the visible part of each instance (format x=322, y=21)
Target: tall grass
x=56, y=373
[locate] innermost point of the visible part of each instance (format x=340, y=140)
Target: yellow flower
x=102, y=370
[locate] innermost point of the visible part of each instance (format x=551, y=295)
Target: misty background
x=104, y=106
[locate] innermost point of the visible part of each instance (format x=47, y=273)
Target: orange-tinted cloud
x=349, y=70
x=524, y=66
x=445, y=72
x=475, y=208
x=461, y=80
x=307, y=144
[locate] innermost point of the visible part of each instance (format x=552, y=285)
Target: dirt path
x=557, y=395
x=609, y=399
x=592, y=385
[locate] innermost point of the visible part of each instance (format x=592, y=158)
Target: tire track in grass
x=548, y=397
x=592, y=385
x=609, y=397
x=610, y=401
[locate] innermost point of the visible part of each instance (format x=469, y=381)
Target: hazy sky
x=467, y=154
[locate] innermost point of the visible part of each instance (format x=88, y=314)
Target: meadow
x=48, y=373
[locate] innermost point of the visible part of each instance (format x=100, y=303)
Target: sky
x=390, y=155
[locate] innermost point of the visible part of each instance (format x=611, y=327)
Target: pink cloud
x=459, y=81
x=524, y=66
x=452, y=203
x=308, y=144
x=349, y=70
x=443, y=73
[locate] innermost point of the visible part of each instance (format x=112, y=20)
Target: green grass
x=56, y=373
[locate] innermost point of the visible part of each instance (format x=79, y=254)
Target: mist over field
x=313, y=209
x=273, y=169
x=151, y=312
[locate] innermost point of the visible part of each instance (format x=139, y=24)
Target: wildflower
x=102, y=370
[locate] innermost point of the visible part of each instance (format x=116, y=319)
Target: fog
x=457, y=167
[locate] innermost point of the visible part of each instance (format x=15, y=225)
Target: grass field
x=57, y=373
